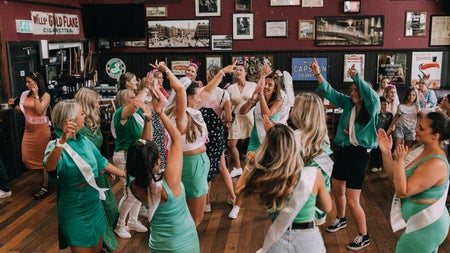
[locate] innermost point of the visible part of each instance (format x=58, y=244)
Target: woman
x=194, y=132
x=172, y=228
x=89, y=100
x=421, y=185
x=385, y=81
x=215, y=108
x=427, y=97
x=242, y=124
x=266, y=100
x=73, y=160
x=279, y=179
x=355, y=136
x=34, y=103
x=191, y=73
x=390, y=93
x=129, y=81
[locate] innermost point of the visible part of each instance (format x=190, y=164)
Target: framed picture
x=284, y=2
x=392, y=66
x=242, y=5
x=156, y=11
x=440, y=30
x=254, y=64
x=178, y=33
x=350, y=31
x=243, y=26
x=179, y=67
x=301, y=72
x=354, y=59
x=352, y=6
x=306, y=29
x=429, y=65
x=207, y=8
x=276, y=28
x=129, y=43
x=213, y=60
x=415, y=23
x=221, y=42
x=312, y=3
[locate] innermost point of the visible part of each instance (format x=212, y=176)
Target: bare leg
x=226, y=177
x=338, y=189
x=234, y=152
x=44, y=178
x=354, y=205
x=196, y=208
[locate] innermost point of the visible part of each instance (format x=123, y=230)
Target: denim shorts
x=404, y=133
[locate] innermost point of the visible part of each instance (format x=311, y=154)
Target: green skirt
x=111, y=213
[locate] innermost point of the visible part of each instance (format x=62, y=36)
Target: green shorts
x=195, y=173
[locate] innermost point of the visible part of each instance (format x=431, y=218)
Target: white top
x=408, y=116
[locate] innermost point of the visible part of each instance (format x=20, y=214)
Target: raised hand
x=400, y=153
x=384, y=141
x=352, y=71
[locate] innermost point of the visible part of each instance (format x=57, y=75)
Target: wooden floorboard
x=28, y=225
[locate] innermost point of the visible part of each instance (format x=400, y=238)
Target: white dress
x=242, y=124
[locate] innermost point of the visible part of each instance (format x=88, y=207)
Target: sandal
x=42, y=193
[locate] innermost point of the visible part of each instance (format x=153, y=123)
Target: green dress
x=109, y=204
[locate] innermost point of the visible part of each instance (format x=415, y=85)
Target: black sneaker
x=360, y=241
x=337, y=224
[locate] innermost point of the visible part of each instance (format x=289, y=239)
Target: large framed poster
x=354, y=59
x=428, y=65
x=440, y=30
x=300, y=70
x=178, y=33
x=392, y=66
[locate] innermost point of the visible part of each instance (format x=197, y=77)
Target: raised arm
x=212, y=85
x=68, y=130
x=385, y=145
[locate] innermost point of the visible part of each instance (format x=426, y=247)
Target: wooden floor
x=28, y=225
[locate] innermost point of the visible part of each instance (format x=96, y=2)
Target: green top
x=96, y=138
x=365, y=134
x=130, y=132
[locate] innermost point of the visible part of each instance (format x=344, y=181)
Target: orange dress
x=36, y=135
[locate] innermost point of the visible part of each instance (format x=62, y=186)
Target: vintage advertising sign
x=47, y=23
x=302, y=72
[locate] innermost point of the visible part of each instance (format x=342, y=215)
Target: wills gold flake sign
x=55, y=23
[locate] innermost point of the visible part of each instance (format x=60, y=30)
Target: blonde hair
x=88, y=99
x=277, y=168
x=64, y=110
x=308, y=114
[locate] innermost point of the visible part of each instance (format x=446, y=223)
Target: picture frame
x=242, y=5
x=221, y=42
x=352, y=6
x=129, y=43
x=276, y=28
x=312, y=3
x=306, y=29
x=213, y=60
x=284, y=2
x=427, y=64
x=156, y=11
x=207, y=8
x=415, y=23
x=300, y=70
x=354, y=59
x=349, y=31
x=243, y=26
x=253, y=63
x=439, y=30
x=393, y=67
x=178, y=67
x=194, y=33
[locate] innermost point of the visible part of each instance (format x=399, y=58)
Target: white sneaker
x=375, y=169
x=143, y=212
x=122, y=232
x=208, y=208
x=234, y=212
x=137, y=226
x=236, y=172
x=4, y=194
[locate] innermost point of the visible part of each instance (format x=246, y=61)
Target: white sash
x=85, y=170
x=259, y=122
x=153, y=198
x=136, y=116
x=325, y=163
x=351, y=128
x=31, y=120
x=298, y=199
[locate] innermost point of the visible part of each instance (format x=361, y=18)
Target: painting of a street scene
x=350, y=31
x=178, y=33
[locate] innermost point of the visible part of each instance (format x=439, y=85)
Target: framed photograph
x=205, y=8
x=392, y=66
x=156, y=11
x=354, y=59
x=301, y=72
x=312, y=3
x=213, y=60
x=276, y=28
x=254, y=64
x=306, y=29
x=221, y=42
x=415, y=23
x=440, y=30
x=352, y=6
x=179, y=67
x=243, y=5
x=350, y=31
x=429, y=65
x=243, y=26
x=129, y=43
x=178, y=33
x=284, y=2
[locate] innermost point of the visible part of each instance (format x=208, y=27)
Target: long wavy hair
x=277, y=168
x=88, y=99
x=308, y=115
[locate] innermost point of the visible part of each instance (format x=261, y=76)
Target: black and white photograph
x=350, y=31
x=156, y=11
x=392, y=66
x=276, y=28
x=221, y=42
x=243, y=26
x=306, y=29
x=415, y=24
x=213, y=60
x=243, y=5
x=205, y=8
x=440, y=30
x=178, y=33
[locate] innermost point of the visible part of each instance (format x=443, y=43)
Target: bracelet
x=148, y=119
x=160, y=112
x=318, y=74
x=251, y=101
x=58, y=144
x=223, y=71
x=167, y=71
